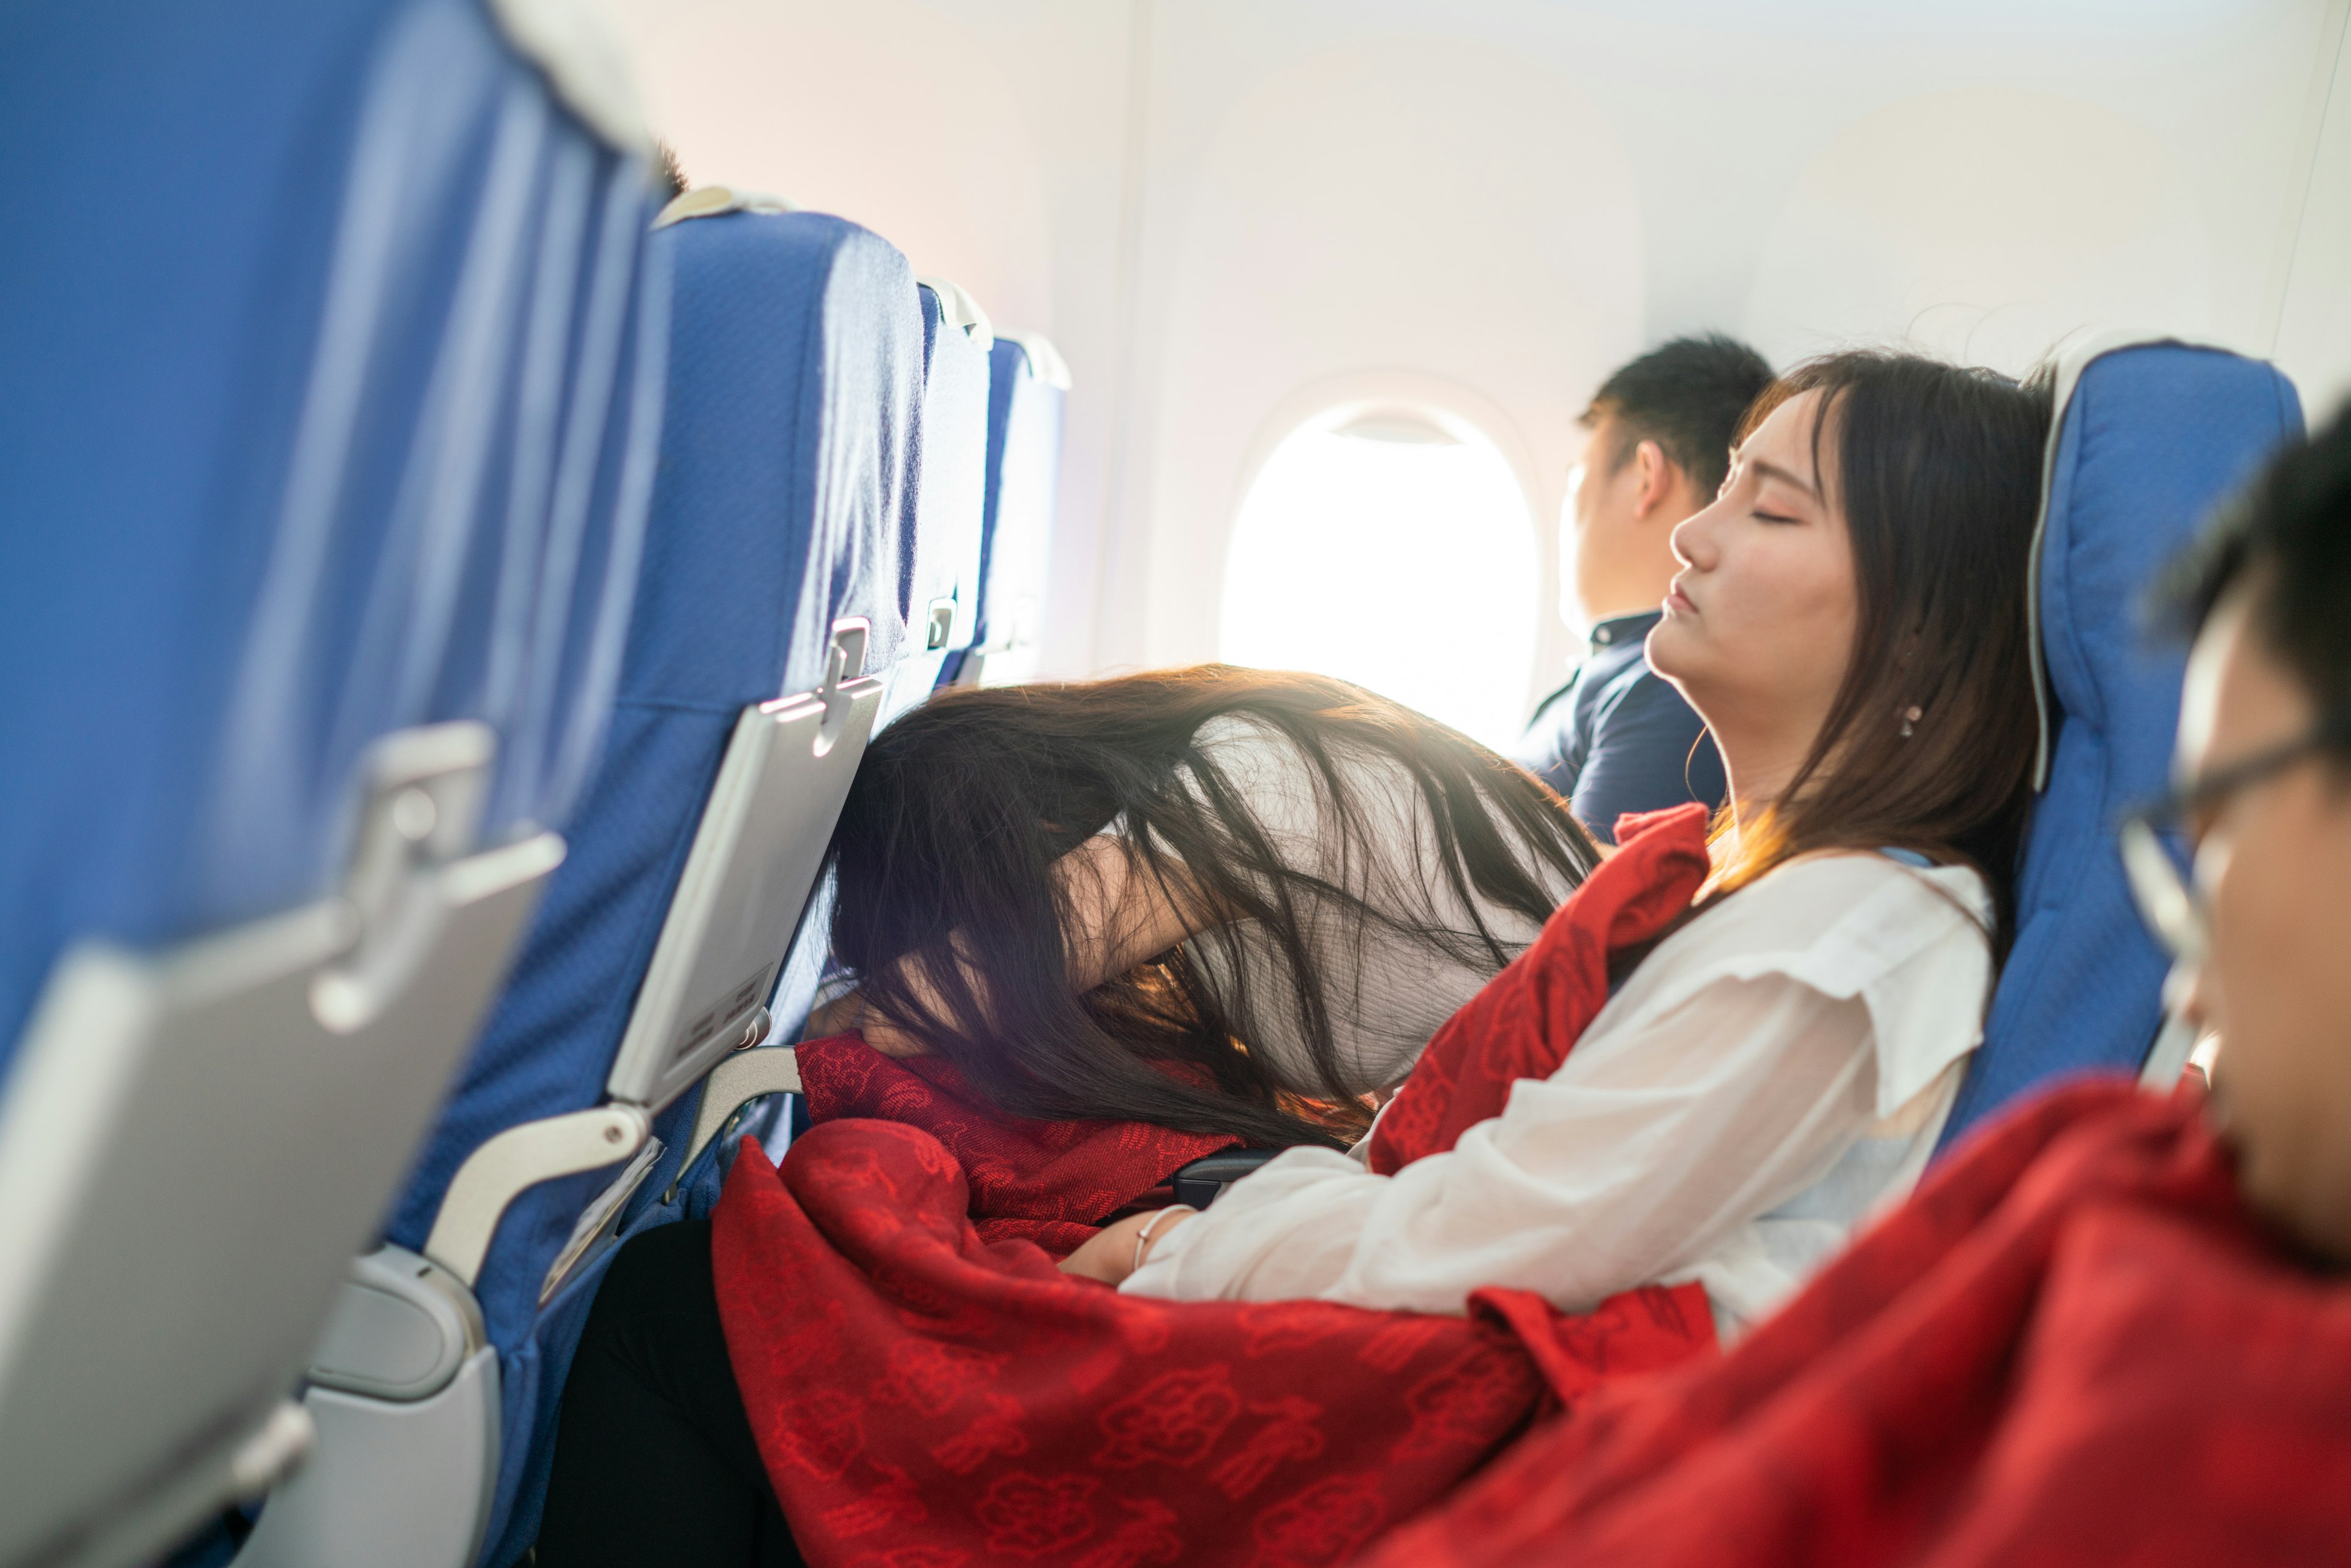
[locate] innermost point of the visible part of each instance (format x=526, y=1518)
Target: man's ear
x=1659, y=476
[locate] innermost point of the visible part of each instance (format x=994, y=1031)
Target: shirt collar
x=1619, y=630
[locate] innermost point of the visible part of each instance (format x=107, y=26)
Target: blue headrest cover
x=943, y=560
x=795, y=362
x=335, y=380
x=1024, y=456
x=2153, y=436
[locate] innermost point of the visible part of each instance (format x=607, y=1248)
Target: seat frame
x=122, y=1415
x=407, y=1464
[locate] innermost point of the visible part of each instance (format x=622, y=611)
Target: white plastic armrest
x=734, y=1082
x=520, y=1157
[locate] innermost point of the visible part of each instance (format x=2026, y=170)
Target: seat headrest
x=2150, y=433
x=716, y=201
x=572, y=44
x=958, y=309
x=1045, y=361
x=1028, y=381
x=940, y=570
x=2094, y=465
x=785, y=462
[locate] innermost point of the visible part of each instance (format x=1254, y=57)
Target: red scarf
x=926, y=1396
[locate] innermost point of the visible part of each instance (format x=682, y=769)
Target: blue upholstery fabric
x=334, y=383
x=942, y=550
x=1024, y=471
x=795, y=364
x=2153, y=436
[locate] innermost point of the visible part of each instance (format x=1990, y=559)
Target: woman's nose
x=1693, y=542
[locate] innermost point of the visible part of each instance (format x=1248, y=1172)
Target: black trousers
x=655, y=1461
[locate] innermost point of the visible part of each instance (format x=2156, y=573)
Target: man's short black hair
x=1686, y=396
x=2289, y=536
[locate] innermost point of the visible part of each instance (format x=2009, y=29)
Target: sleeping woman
x=1241, y=904
x=1850, y=620
x=1084, y=895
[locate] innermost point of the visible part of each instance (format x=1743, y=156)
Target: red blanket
x=924, y=1396
x=2071, y=1346
x=1053, y=1182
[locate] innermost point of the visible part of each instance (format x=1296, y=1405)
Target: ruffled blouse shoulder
x=1913, y=944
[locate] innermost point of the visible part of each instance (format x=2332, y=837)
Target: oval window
x=1397, y=551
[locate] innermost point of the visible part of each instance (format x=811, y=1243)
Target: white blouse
x=1385, y=992
x=1777, y=1069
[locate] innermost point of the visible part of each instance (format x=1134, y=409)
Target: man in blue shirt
x=1617, y=738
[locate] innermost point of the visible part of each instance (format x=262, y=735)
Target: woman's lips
x=1677, y=600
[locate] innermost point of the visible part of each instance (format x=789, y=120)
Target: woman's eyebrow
x=1773, y=471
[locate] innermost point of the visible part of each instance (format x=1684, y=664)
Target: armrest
x=1204, y=1181
x=733, y=1083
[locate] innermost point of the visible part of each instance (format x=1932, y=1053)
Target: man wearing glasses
x=2262, y=922
x=2113, y=1326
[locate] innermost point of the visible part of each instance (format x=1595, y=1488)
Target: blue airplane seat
x=321, y=504
x=1028, y=383
x=2150, y=435
x=336, y=387
x=771, y=577
x=940, y=567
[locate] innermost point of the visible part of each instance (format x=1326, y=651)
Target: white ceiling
x=1232, y=214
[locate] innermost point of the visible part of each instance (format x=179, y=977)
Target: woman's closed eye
x=1760, y=515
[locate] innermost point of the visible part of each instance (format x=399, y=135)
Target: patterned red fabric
x=1053, y=1182
x=923, y=1398
x=2072, y=1345
x=1522, y=1023
x=927, y=1393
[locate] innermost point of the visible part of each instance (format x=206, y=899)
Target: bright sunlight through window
x=1394, y=553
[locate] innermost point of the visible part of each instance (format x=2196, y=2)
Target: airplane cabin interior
x=513, y=512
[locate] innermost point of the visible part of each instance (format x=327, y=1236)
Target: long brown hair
x=944, y=857
x=1929, y=744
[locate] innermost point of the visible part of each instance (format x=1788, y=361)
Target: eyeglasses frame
x=2165, y=898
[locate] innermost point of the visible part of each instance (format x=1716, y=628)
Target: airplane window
x=1396, y=550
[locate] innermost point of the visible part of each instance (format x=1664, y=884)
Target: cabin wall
x=2311, y=323
x=1231, y=214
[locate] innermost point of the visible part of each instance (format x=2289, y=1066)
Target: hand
x=1109, y=1254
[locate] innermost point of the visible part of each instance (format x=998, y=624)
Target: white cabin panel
x=1231, y=215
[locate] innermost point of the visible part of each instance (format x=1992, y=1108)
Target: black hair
x=1929, y=744
x=1686, y=396
x=2288, y=535
x=668, y=173
x=947, y=855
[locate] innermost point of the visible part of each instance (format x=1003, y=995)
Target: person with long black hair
x=1065, y=889
x=1851, y=620
x=1164, y=874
